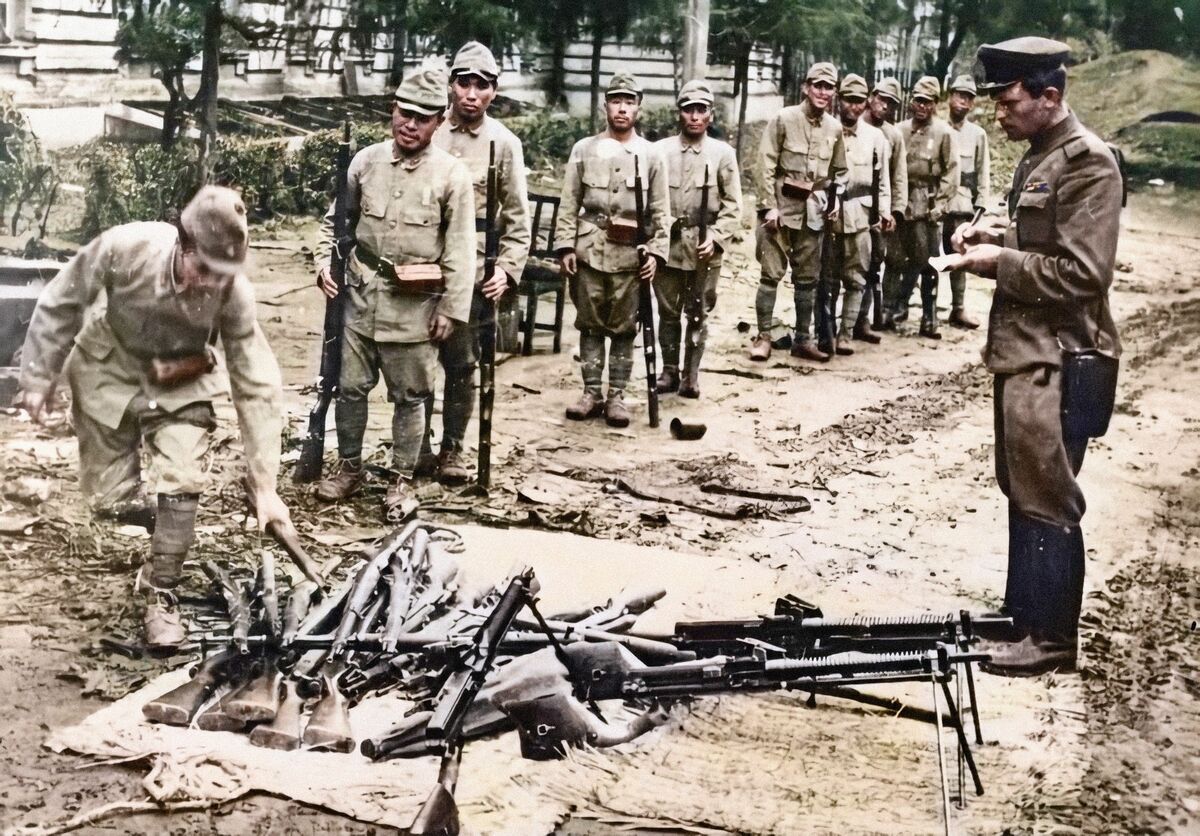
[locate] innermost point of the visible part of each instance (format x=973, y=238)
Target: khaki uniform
x=417, y=210
x=1052, y=287
x=974, y=189
x=106, y=344
x=460, y=353
x=683, y=286
x=794, y=145
x=598, y=188
x=932, y=165
x=866, y=149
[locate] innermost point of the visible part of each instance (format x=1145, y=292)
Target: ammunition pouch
x=405, y=278
x=174, y=371
x=796, y=188
x=622, y=231
x=1089, y=391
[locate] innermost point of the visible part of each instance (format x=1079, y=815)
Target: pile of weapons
x=401, y=622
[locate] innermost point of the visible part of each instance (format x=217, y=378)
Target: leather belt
x=597, y=218
x=376, y=263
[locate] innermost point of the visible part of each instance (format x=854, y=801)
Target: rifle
x=874, y=287
x=312, y=449
x=702, y=227
x=645, y=299
x=487, y=332
x=827, y=280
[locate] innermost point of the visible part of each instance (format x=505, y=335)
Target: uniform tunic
x=974, y=169
x=106, y=344
x=599, y=187
x=932, y=164
x=1052, y=286
x=866, y=150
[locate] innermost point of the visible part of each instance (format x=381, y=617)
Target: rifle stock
x=645, y=299
x=312, y=449
x=179, y=705
x=487, y=333
x=827, y=280
x=874, y=285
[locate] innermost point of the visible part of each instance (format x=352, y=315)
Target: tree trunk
x=399, y=25
x=556, y=83
x=597, y=48
x=173, y=112
x=695, y=40
x=741, y=83
x=206, y=97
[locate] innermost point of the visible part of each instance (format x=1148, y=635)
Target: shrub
x=27, y=181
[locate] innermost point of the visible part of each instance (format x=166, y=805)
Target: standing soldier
x=408, y=281
x=688, y=282
x=974, y=186
x=468, y=134
x=143, y=377
x=881, y=113
x=800, y=152
x=1050, y=319
x=866, y=151
x=932, y=182
x=597, y=221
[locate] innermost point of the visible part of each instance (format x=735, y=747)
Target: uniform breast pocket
x=794, y=156
x=1035, y=219
x=596, y=175
x=419, y=230
x=374, y=207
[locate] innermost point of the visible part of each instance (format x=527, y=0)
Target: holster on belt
x=173, y=371
x=622, y=231
x=419, y=278
x=796, y=187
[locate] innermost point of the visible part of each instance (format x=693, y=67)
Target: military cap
x=695, y=92
x=215, y=221
x=963, y=84
x=889, y=88
x=927, y=87
x=424, y=91
x=473, y=58
x=623, y=84
x=853, y=87
x=1003, y=64
x=822, y=71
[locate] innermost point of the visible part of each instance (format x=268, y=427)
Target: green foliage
x=309, y=176
x=547, y=138
x=134, y=183
x=27, y=181
x=256, y=168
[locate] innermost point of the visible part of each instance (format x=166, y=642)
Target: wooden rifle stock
x=645, y=300
x=312, y=449
x=487, y=332
x=874, y=286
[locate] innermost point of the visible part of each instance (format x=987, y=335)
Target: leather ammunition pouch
x=174, y=371
x=622, y=231
x=796, y=188
x=1089, y=392
x=406, y=278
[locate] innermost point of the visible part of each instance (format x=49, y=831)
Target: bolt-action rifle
x=874, y=295
x=645, y=299
x=827, y=278
x=487, y=331
x=312, y=449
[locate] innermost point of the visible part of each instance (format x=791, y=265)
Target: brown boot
x=162, y=625
x=760, y=347
x=616, y=414
x=590, y=405
x=345, y=481
x=399, y=502
x=929, y=329
x=451, y=470
x=961, y=319
x=841, y=346
x=863, y=333
x=808, y=351
x=668, y=381
x=689, y=387
x=1031, y=657
x=427, y=465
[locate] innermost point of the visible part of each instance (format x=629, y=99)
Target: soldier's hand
x=706, y=248
x=834, y=213
x=770, y=221
x=440, y=327
x=269, y=509
x=495, y=287
x=887, y=223
x=980, y=259
x=325, y=282
x=34, y=403
x=649, y=265
x=568, y=263
x=968, y=235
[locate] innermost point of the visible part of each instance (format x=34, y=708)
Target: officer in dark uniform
x=1050, y=337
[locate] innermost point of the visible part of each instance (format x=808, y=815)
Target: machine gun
x=645, y=299
x=487, y=332
x=312, y=448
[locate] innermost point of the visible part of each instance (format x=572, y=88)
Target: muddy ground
x=891, y=447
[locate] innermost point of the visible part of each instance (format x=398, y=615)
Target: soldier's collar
x=693, y=147
x=852, y=130
x=807, y=109
x=409, y=163
x=462, y=127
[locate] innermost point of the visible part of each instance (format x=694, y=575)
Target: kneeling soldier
x=143, y=375
x=702, y=172
x=409, y=280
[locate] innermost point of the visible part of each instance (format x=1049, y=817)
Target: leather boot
x=760, y=346
x=616, y=414
x=589, y=405
x=929, y=329
x=162, y=625
x=450, y=468
x=842, y=347
x=427, y=465
x=345, y=481
x=863, y=333
x=888, y=320
x=689, y=386
x=668, y=380
x=808, y=351
x=399, y=502
x=960, y=319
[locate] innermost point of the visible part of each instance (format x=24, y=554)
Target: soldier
x=932, y=166
x=688, y=281
x=866, y=150
x=408, y=281
x=143, y=376
x=881, y=113
x=468, y=133
x=598, y=230
x=1053, y=267
x=974, y=186
x=800, y=151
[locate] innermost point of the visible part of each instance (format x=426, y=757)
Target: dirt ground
x=893, y=449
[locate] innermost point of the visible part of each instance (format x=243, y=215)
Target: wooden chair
x=542, y=275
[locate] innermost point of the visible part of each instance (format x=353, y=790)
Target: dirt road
x=891, y=447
